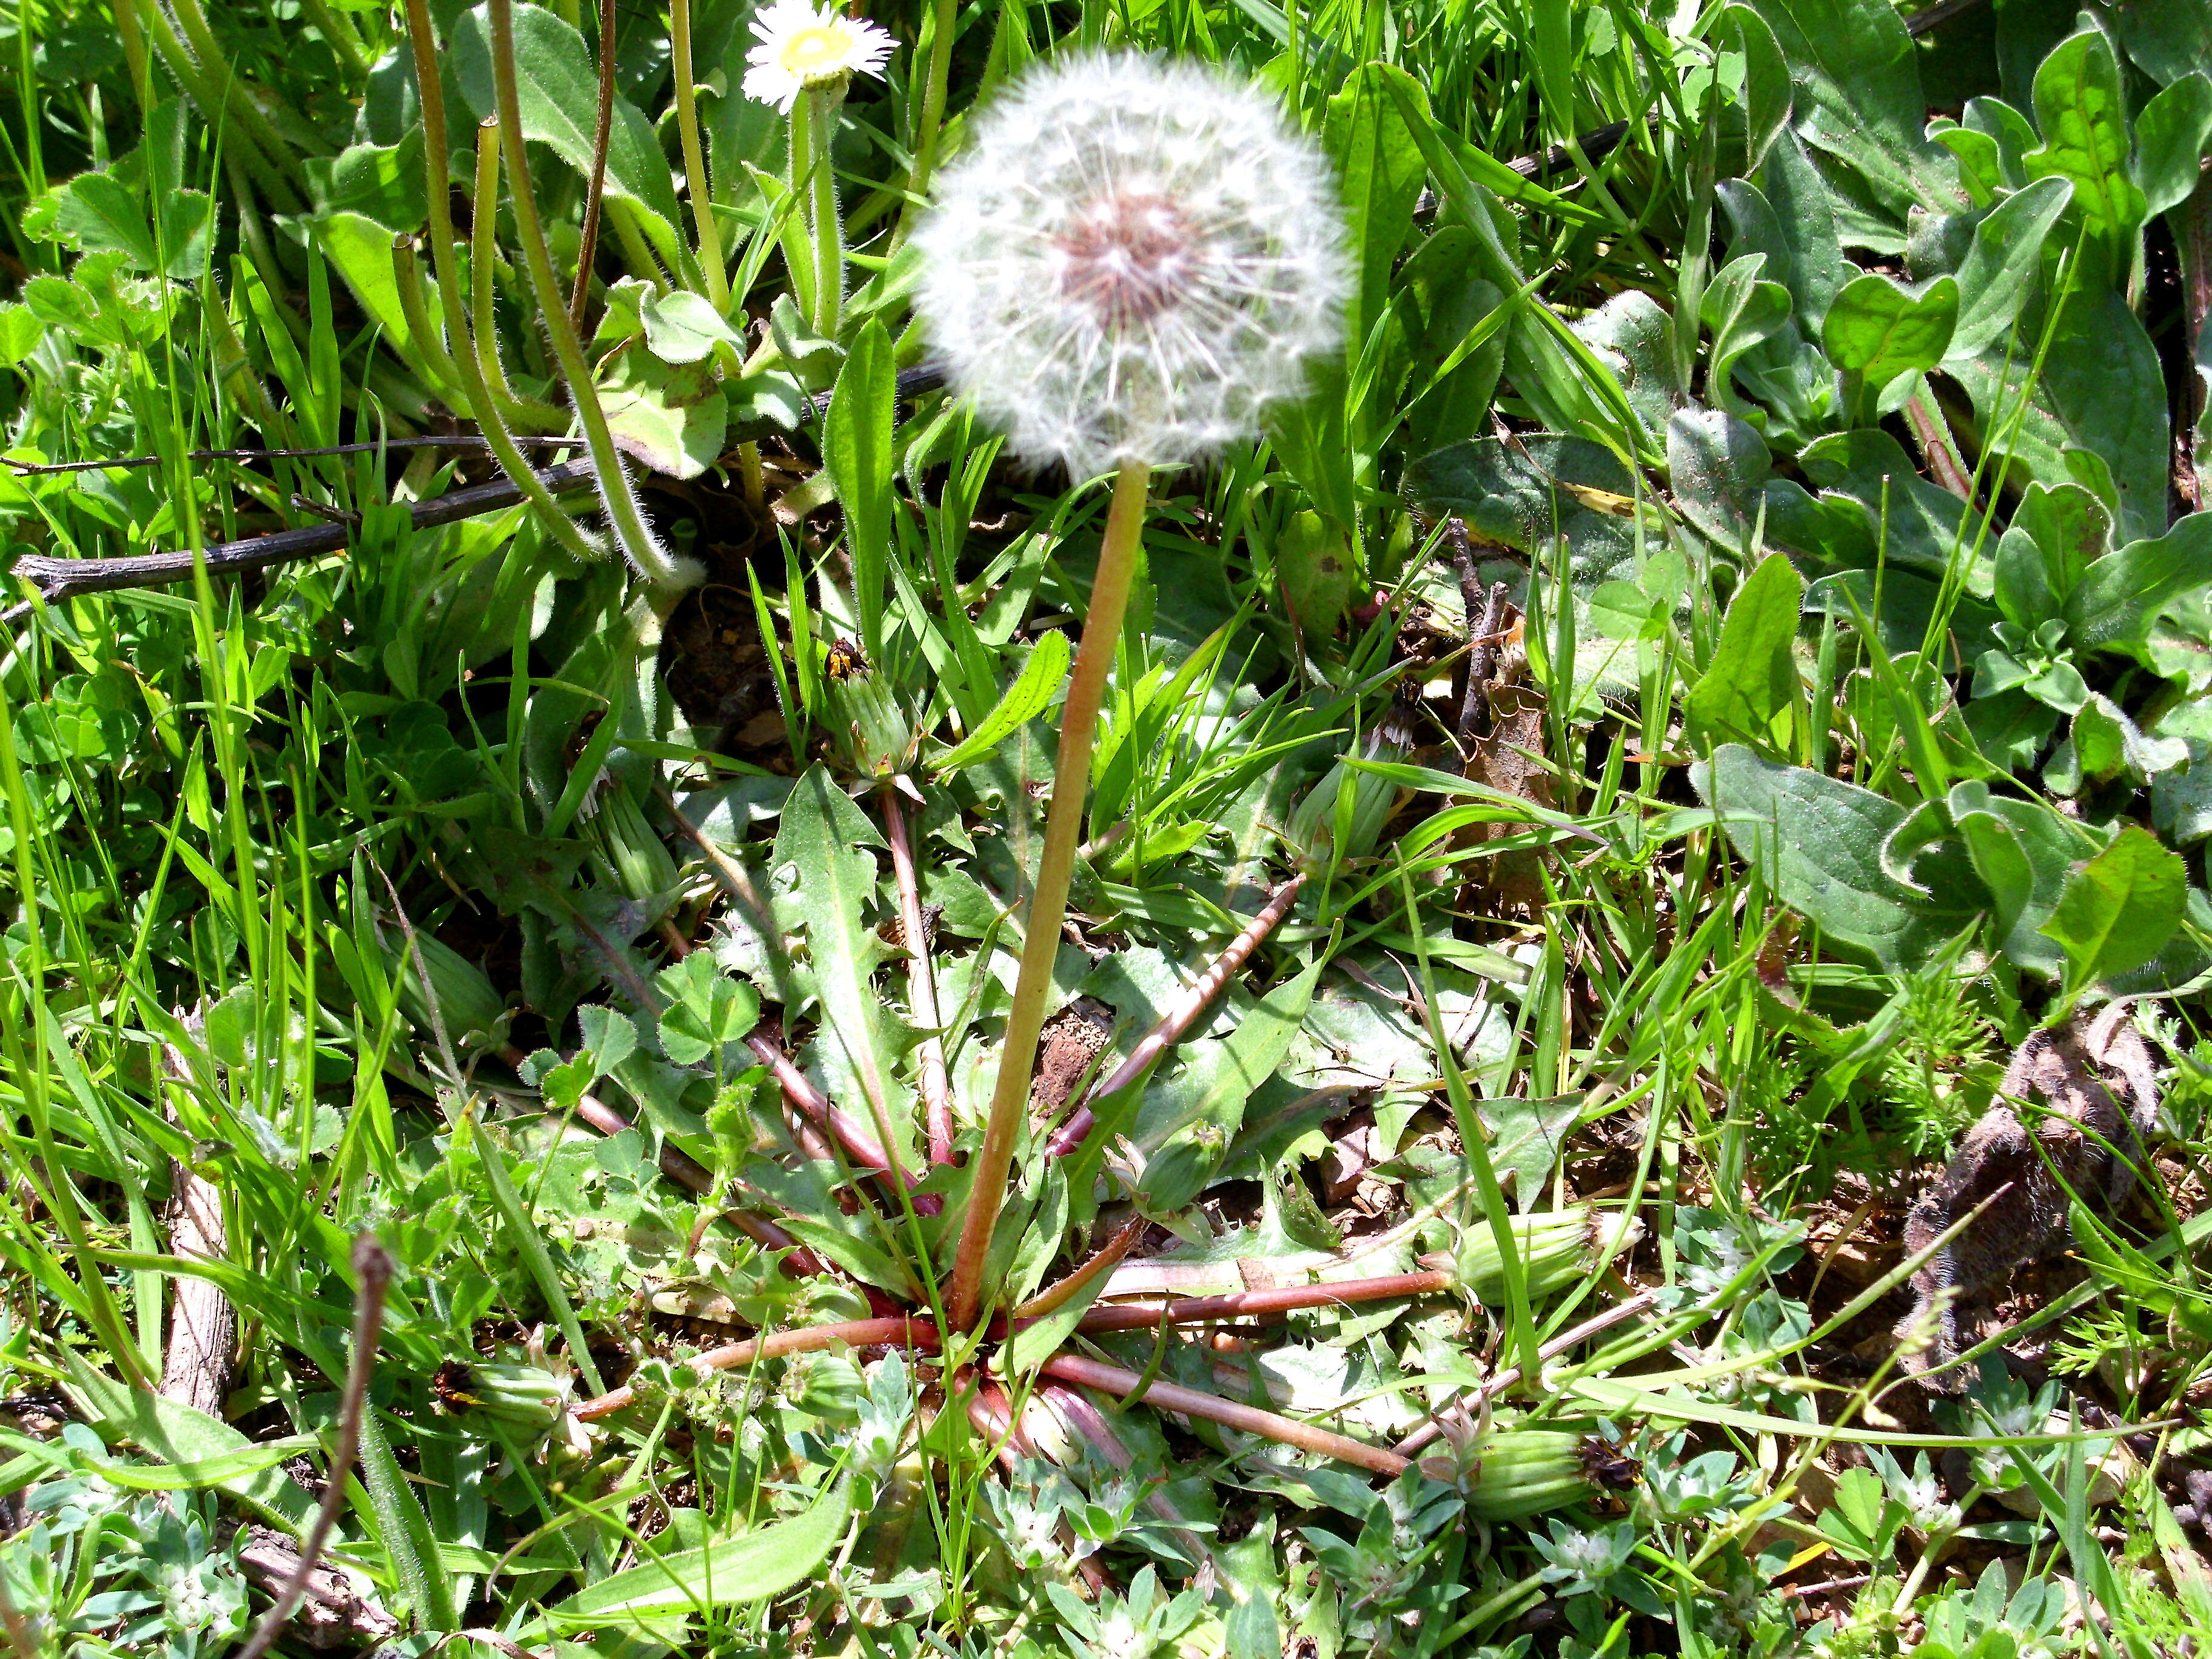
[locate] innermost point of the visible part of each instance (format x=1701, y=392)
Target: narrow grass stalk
x=463, y=357
x=694, y=157
x=1475, y=1140
x=624, y=516
x=922, y=985
x=905, y=1331
x=1048, y=906
x=1250, y=1419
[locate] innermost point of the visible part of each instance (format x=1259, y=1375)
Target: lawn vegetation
x=1512, y=965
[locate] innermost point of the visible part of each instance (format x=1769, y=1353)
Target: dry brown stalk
x=372, y=1270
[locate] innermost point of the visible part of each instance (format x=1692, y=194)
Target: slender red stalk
x=920, y=985
x=1102, y=1261
x=1179, y=1019
x=905, y=1332
x=1192, y=1402
x=1255, y=1304
x=859, y=1141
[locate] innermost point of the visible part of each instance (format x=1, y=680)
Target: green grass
x=456, y=889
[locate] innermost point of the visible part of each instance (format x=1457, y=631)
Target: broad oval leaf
x=763, y=1563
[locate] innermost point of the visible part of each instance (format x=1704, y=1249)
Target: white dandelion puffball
x=1131, y=261
x=800, y=46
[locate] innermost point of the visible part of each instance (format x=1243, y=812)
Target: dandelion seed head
x=1132, y=260
x=799, y=46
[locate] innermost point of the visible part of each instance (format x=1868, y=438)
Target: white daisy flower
x=801, y=46
x=1132, y=260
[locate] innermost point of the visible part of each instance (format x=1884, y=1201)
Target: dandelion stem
x=695, y=162
x=1047, y=906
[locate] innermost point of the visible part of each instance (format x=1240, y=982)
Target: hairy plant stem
x=131, y=29
x=595, y=190
x=1048, y=906
x=223, y=81
x=813, y=125
x=944, y=19
x=436, y=165
x=623, y=514
x=435, y=363
x=749, y=473
x=483, y=261
x=343, y=40
x=694, y=157
x=239, y=149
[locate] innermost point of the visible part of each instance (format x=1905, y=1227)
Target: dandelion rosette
x=1132, y=261
x=801, y=46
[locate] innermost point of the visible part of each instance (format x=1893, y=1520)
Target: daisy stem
x=811, y=134
x=623, y=514
x=943, y=21
x=695, y=159
x=1048, y=906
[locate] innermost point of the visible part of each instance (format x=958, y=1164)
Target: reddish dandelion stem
x=1192, y=1402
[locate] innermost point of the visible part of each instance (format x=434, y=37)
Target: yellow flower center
x=810, y=51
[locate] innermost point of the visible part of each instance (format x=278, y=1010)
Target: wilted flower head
x=800, y=46
x=1131, y=261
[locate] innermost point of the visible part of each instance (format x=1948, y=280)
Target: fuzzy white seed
x=1132, y=260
